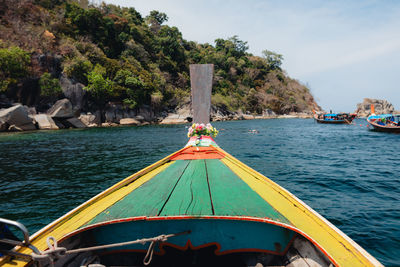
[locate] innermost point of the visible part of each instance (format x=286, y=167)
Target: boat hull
x=332, y=121
x=341, y=118
x=381, y=128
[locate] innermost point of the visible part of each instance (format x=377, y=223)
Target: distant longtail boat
x=335, y=118
x=384, y=122
x=199, y=206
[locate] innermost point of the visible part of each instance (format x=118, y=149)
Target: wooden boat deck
x=201, y=187
x=190, y=189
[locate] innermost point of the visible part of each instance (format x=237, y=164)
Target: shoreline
x=63, y=115
x=165, y=121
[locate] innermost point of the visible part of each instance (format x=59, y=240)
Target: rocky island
x=381, y=107
x=71, y=64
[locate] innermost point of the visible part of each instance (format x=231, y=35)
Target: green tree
x=100, y=88
x=273, y=59
x=49, y=86
x=134, y=16
x=157, y=17
x=170, y=40
x=14, y=63
x=78, y=69
x=134, y=87
x=232, y=47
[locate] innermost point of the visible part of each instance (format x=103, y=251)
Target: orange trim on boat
x=191, y=153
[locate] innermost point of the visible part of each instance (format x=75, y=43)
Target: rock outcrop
x=75, y=123
x=45, y=122
x=381, y=107
x=116, y=112
x=62, y=109
x=129, y=121
x=174, y=119
x=91, y=120
x=74, y=92
x=16, y=118
x=182, y=115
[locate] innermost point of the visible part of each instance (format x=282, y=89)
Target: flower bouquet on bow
x=199, y=129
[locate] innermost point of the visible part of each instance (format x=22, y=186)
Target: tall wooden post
x=201, y=76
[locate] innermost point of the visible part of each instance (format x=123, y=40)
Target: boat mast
x=201, y=76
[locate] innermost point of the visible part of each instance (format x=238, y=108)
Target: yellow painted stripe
x=88, y=210
x=338, y=246
x=84, y=216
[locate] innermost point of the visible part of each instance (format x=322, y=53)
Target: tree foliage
x=49, y=86
x=273, y=59
x=122, y=57
x=98, y=86
x=14, y=63
x=157, y=17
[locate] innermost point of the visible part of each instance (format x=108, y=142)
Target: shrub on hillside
x=99, y=88
x=14, y=63
x=78, y=69
x=49, y=86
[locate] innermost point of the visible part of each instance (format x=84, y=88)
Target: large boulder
x=75, y=123
x=173, y=118
x=91, y=120
x=61, y=109
x=74, y=92
x=381, y=107
x=18, y=117
x=45, y=122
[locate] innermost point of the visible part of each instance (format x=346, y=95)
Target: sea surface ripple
x=348, y=174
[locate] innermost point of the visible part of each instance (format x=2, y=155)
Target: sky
x=344, y=51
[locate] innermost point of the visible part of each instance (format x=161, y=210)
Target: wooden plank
x=148, y=199
x=232, y=196
x=201, y=82
x=191, y=195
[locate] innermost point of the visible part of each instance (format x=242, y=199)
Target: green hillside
x=122, y=57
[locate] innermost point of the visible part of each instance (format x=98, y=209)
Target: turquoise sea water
x=348, y=174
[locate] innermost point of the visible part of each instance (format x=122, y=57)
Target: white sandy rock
x=129, y=121
x=45, y=122
x=173, y=118
x=108, y=124
x=89, y=119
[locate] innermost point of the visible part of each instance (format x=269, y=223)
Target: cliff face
x=381, y=107
x=98, y=55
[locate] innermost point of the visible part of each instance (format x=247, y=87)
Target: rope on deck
x=54, y=252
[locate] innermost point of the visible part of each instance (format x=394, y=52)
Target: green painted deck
x=203, y=187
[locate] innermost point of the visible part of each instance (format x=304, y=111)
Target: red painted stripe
x=190, y=246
